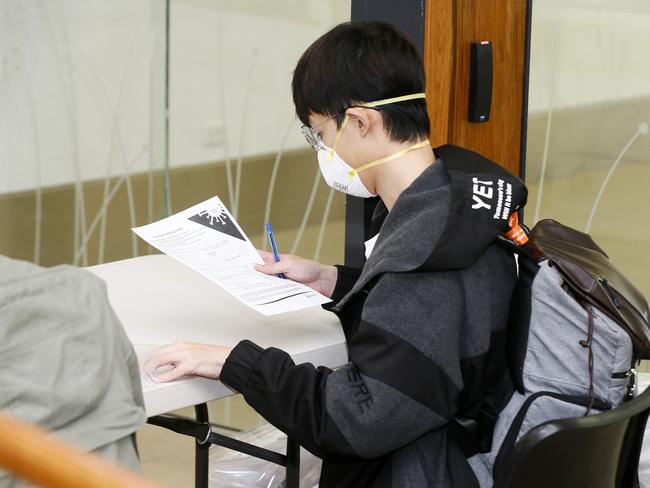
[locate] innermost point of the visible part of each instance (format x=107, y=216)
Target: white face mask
x=336, y=173
x=340, y=175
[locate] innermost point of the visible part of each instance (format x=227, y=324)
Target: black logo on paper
x=217, y=219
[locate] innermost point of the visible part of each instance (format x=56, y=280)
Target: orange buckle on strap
x=516, y=233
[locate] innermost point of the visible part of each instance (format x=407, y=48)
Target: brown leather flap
x=593, y=277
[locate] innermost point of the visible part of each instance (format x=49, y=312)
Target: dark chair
x=599, y=451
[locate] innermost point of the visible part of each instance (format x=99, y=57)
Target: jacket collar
x=446, y=219
x=418, y=216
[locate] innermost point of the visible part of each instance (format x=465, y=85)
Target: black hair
x=363, y=62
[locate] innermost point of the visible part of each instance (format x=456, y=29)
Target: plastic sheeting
x=236, y=470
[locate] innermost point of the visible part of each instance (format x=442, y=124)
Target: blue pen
x=274, y=247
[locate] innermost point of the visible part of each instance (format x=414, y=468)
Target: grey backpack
x=577, y=328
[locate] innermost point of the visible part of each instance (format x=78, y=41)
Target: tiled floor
x=166, y=457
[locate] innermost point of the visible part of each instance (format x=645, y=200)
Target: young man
x=424, y=319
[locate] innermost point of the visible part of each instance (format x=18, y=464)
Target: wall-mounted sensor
x=480, y=81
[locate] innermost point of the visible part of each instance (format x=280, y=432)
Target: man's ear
x=364, y=120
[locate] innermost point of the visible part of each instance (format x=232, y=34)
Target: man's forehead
x=316, y=119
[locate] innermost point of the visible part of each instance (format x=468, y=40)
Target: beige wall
x=584, y=143
x=189, y=185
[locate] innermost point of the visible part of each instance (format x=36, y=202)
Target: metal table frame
x=201, y=430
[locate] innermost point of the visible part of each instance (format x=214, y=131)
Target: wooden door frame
x=450, y=27
x=442, y=31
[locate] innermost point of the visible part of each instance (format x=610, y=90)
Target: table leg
x=204, y=437
x=293, y=464
x=202, y=449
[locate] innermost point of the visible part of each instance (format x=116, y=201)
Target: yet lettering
x=481, y=189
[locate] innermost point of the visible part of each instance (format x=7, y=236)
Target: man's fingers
x=151, y=364
x=164, y=356
x=266, y=256
x=180, y=359
x=269, y=257
x=166, y=368
x=273, y=268
x=171, y=375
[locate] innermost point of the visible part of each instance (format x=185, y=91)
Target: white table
x=159, y=300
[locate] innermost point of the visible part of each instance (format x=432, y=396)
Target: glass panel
x=588, y=150
x=78, y=90
x=83, y=136
x=233, y=128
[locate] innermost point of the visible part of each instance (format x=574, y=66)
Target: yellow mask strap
x=338, y=136
x=385, y=101
x=352, y=173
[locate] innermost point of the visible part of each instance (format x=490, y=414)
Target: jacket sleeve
x=403, y=378
x=345, y=279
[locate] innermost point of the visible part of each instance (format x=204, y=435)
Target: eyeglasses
x=315, y=140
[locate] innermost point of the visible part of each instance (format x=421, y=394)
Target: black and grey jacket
x=424, y=322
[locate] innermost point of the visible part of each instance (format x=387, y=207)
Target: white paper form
x=207, y=238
